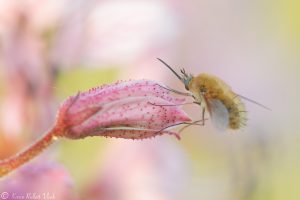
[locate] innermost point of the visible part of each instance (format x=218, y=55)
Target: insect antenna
x=183, y=71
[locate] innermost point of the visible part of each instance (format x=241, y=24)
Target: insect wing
x=219, y=114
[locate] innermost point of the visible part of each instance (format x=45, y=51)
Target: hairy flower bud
x=130, y=109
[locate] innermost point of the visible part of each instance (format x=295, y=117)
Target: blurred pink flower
x=130, y=109
x=27, y=104
x=128, y=34
x=39, y=180
x=141, y=171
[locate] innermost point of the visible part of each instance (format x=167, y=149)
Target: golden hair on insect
x=225, y=107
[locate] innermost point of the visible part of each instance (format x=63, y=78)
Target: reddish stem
x=8, y=165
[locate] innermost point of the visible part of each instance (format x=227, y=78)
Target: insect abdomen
x=236, y=110
x=215, y=88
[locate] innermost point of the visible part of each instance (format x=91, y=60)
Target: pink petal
x=131, y=109
x=133, y=117
x=121, y=89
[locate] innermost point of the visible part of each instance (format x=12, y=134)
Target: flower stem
x=10, y=164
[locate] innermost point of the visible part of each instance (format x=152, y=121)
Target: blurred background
x=52, y=49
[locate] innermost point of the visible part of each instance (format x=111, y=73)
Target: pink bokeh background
x=252, y=45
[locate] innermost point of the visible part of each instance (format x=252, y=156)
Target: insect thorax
x=206, y=87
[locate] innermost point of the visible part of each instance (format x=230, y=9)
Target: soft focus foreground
x=52, y=49
x=39, y=180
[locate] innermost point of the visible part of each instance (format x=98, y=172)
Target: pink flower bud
x=130, y=109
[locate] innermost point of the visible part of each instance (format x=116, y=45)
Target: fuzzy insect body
x=225, y=107
x=215, y=96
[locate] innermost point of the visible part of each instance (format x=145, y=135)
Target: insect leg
x=176, y=91
x=174, y=133
x=190, y=124
x=203, y=114
x=180, y=104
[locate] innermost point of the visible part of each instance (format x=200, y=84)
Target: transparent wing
x=219, y=114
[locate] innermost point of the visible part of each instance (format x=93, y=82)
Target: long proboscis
x=170, y=68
